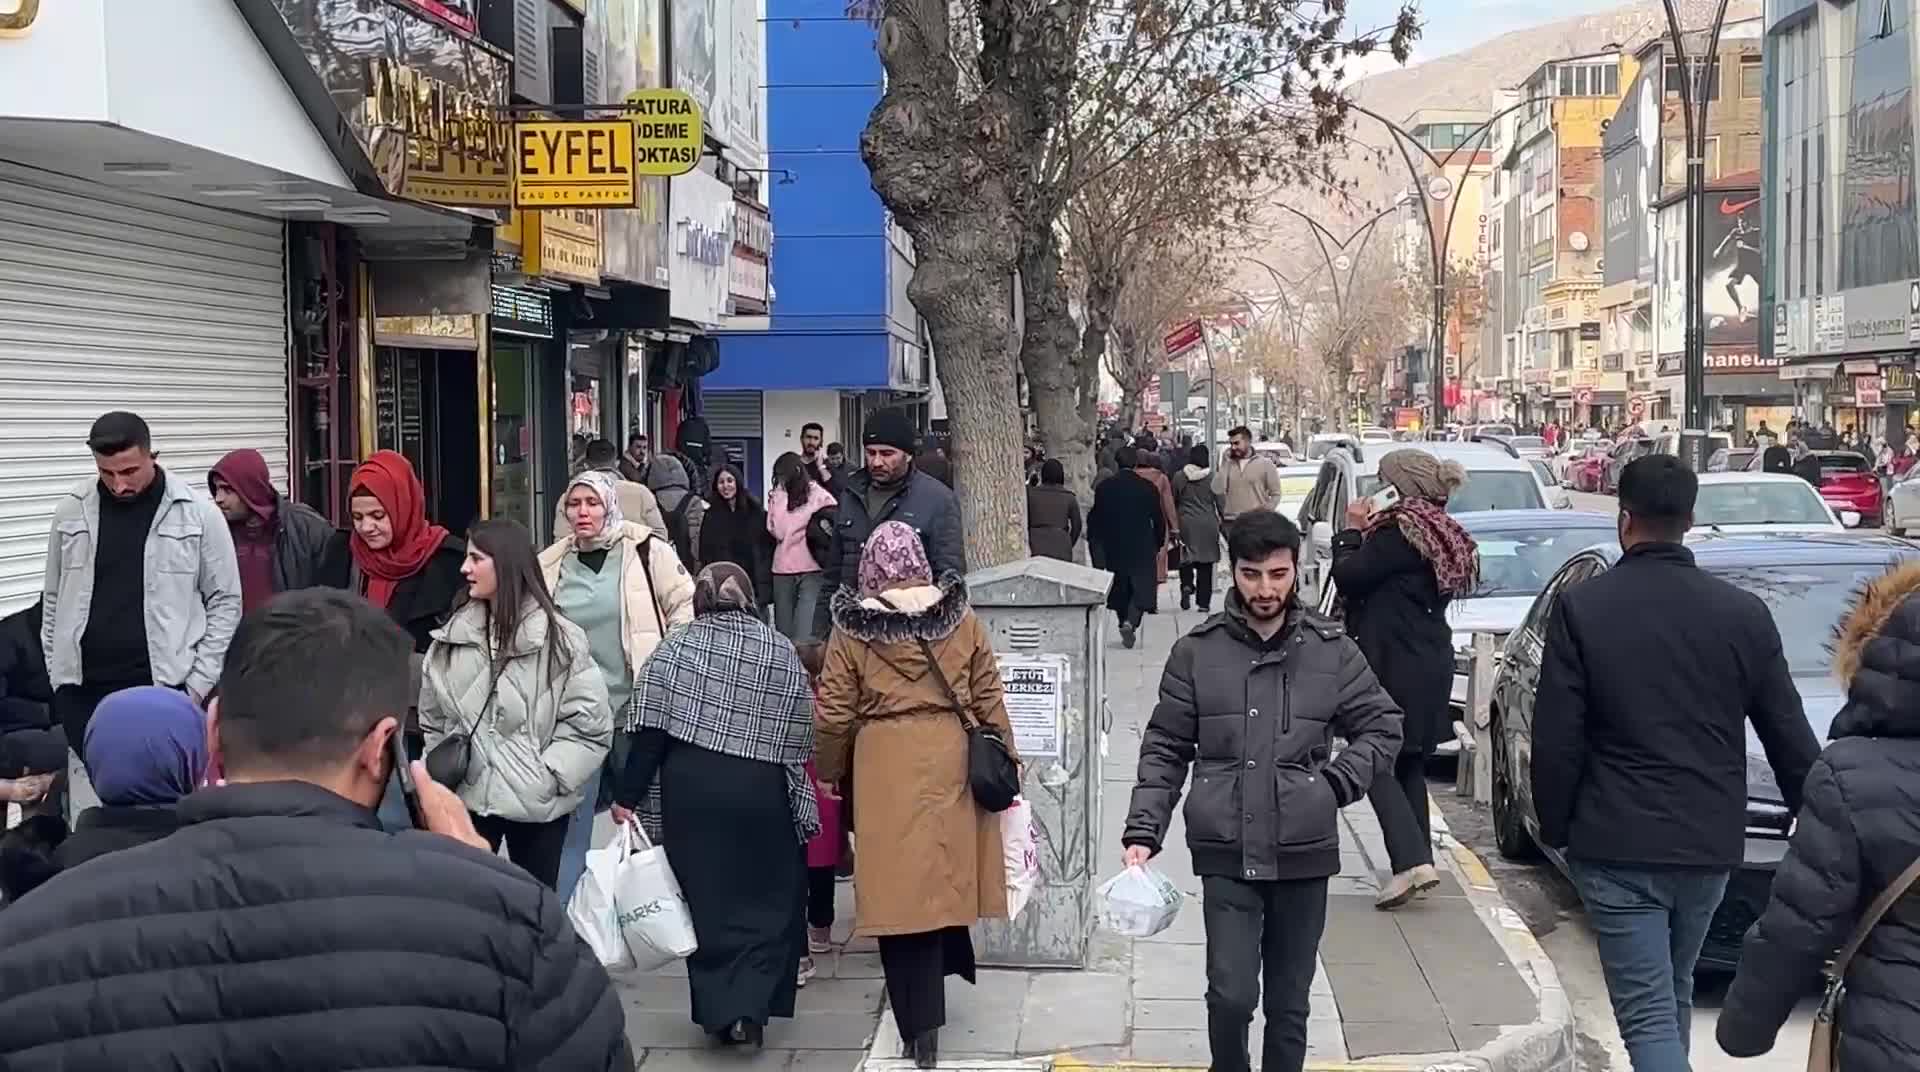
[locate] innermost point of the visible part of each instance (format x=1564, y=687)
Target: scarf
x=722, y=587
x=728, y=683
x=893, y=557
x=389, y=477
x=146, y=746
x=604, y=488
x=1439, y=539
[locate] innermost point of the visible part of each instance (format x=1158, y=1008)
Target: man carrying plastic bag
x=1251, y=700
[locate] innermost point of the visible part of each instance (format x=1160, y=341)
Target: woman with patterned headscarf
x=722, y=720
x=1397, y=569
x=624, y=587
x=908, y=669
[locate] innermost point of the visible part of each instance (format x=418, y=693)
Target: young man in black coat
x=1129, y=528
x=281, y=920
x=1639, y=759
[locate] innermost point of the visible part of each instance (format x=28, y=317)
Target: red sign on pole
x=1183, y=338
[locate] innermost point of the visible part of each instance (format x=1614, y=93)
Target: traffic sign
x=573, y=164
x=1183, y=338
x=667, y=136
x=1636, y=407
x=1583, y=395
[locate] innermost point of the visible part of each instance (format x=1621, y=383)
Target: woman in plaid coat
x=723, y=723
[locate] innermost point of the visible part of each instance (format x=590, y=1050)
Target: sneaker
x=819, y=939
x=1126, y=636
x=1404, y=886
x=807, y=970
x=1186, y=600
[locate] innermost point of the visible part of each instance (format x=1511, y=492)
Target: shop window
x=1750, y=77
x=322, y=306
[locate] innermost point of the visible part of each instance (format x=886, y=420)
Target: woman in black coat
x=1053, y=514
x=1858, y=828
x=1128, y=527
x=734, y=530
x=145, y=749
x=1397, y=570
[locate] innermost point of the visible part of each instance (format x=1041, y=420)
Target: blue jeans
x=796, y=597
x=1648, y=925
x=573, y=857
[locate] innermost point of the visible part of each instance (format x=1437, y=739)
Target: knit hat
x=889, y=428
x=1421, y=475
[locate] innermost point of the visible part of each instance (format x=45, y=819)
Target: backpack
x=820, y=534
x=678, y=531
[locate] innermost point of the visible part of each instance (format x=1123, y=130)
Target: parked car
x=1903, y=504
x=1765, y=502
x=1528, y=446
x=1496, y=480
x=1617, y=460
x=1274, y=451
x=1376, y=435
x=1590, y=452
x=1849, y=484
x=1520, y=550
x=1556, y=496
x=1731, y=459
x=1323, y=442
x=1808, y=583
x=1296, y=483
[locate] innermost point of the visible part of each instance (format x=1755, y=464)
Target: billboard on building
x=736, y=115
x=1622, y=196
x=635, y=243
x=695, y=68
x=1646, y=122
x=1731, y=273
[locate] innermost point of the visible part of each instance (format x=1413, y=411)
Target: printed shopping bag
x=1020, y=848
x=591, y=908
x=653, y=913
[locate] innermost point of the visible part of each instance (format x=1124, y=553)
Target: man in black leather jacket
x=1251, y=700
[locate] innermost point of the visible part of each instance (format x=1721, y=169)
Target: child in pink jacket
x=823, y=851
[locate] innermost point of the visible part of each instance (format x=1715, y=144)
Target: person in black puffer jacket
x=1858, y=829
x=280, y=927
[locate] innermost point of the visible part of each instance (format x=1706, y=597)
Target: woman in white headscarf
x=624, y=587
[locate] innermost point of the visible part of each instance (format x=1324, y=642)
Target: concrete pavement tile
x=841, y=995
x=1357, y=933
x=1468, y=1038
x=1321, y=984
x=1353, y=886
x=815, y=1030
x=1326, y=1040
x=985, y=1018
x=1175, y=1048
x=654, y=1029
x=1322, y=1007
x=1164, y=1014
x=1169, y=971
x=1188, y=928
x=1384, y=993
x=1367, y=1038
x=1449, y=887
x=1102, y=1055
x=1065, y=1010
x=651, y=991
x=825, y=1061
x=857, y=966
x=714, y=1060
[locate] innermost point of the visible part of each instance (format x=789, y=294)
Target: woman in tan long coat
x=930, y=859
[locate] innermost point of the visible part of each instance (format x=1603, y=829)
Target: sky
x=1451, y=25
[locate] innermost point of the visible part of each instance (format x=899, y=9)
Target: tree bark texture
x=1058, y=381
x=941, y=161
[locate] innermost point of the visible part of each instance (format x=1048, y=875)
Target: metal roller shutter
x=731, y=414
x=116, y=300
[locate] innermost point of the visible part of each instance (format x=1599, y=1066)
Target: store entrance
x=424, y=402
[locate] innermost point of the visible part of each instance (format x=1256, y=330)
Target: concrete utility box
x=1048, y=622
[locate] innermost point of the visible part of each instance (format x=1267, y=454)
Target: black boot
x=1126, y=635
x=1228, y=1043
x=926, y=1048
x=1186, y=599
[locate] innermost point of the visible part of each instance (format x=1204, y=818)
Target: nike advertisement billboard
x=1731, y=301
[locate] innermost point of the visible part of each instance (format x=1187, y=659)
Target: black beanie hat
x=889, y=428
x=25, y=752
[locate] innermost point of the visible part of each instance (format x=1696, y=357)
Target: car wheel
x=1509, y=828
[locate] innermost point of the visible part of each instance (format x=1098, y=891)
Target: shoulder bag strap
x=966, y=719
x=1871, y=919
x=644, y=552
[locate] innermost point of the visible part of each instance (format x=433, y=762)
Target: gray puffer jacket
x=539, y=732
x=1255, y=719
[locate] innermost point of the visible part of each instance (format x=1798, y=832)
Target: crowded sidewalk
x=1451, y=981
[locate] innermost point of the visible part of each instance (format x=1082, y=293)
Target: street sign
x=667, y=137
x=1342, y=263
x=1439, y=187
x=1637, y=407
x=573, y=164
x=1583, y=395
x=1183, y=338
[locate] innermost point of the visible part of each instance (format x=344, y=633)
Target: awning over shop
x=801, y=361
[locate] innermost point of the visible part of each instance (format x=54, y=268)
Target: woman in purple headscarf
x=145, y=749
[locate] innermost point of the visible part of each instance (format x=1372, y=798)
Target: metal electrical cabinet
x=1047, y=619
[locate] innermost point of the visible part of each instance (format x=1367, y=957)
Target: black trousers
x=1197, y=578
x=916, y=967
x=1261, y=933
x=1400, y=803
x=820, y=883
x=533, y=847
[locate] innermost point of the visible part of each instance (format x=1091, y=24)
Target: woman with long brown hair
x=518, y=680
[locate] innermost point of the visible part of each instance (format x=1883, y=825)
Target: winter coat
x=1199, y=509
x=1169, y=517
x=1254, y=485
x=26, y=697
x=106, y=828
x=1650, y=668
x=641, y=609
x=300, y=534
x=739, y=535
x=1255, y=719
x=421, y=602
x=1859, y=827
x=540, y=730
x=1129, y=528
x=667, y=478
x=885, y=720
x=788, y=527
x=223, y=947
x=1053, y=521
x=636, y=504
x=924, y=503
x=1398, y=616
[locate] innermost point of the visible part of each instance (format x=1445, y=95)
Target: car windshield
x=1772, y=502
x=1528, y=442
x=1540, y=470
x=1318, y=448
x=1296, y=487
x=1807, y=603
x=1840, y=464
x=1516, y=562
x=1485, y=489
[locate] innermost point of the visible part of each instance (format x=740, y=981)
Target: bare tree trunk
x=1050, y=355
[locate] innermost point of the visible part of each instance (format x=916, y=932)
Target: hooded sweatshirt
x=253, y=539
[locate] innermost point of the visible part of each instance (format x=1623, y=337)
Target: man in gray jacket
x=1251, y=700
x=141, y=584
x=1244, y=481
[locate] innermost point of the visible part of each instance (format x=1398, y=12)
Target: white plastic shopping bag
x=1138, y=903
x=653, y=913
x=591, y=907
x=1020, y=848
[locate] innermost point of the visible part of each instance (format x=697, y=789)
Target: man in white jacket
x=1244, y=481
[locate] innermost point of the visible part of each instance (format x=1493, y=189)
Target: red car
x=1848, y=482
x=1588, y=472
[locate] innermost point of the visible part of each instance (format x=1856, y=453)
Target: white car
x=1557, y=496
x=1296, y=483
x=1764, y=502
x=1903, y=504
x=1375, y=435
x=1275, y=451
x=1324, y=443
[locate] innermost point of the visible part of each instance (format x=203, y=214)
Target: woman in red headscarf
x=401, y=561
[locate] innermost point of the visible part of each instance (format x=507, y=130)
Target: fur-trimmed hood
x=1871, y=613
x=872, y=622
x=1876, y=655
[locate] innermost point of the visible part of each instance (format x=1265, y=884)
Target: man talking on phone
x=280, y=925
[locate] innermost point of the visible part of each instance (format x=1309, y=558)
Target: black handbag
x=992, y=774
x=450, y=762
x=820, y=534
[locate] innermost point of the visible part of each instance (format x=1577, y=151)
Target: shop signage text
x=747, y=278
x=667, y=134
x=585, y=164
x=19, y=20
x=1866, y=391
x=708, y=245
x=1741, y=361
x=752, y=228
x=517, y=311
x=434, y=142
x=1896, y=383
x=455, y=13
x=568, y=246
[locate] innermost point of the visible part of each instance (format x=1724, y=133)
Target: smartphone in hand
x=1385, y=499
x=402, y=767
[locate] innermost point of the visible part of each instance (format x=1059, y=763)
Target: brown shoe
x=1402, y=887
